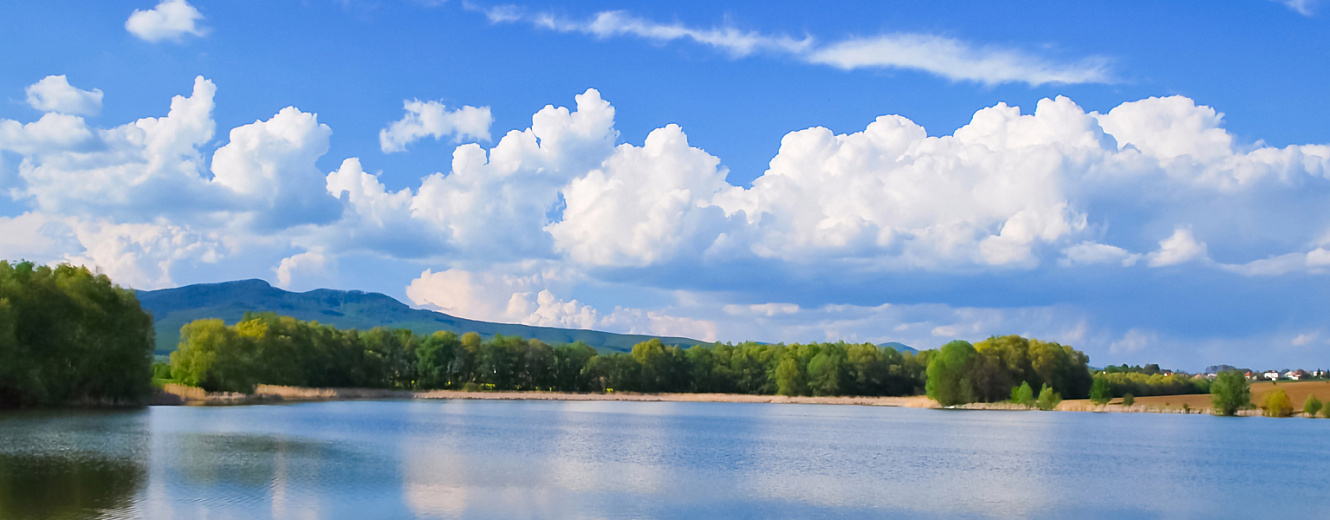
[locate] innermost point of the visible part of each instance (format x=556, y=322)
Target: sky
x=1145, y=181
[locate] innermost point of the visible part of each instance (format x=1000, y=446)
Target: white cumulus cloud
x=303, y=263
x=169, y=20
x=491, y=296
x=433, y=119
x=55, y=94
x=1180, y=247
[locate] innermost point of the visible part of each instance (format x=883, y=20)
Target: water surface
x=549, y=459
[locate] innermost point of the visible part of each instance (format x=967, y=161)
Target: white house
x=1271, y=375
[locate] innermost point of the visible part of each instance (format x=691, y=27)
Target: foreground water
x=539, y=459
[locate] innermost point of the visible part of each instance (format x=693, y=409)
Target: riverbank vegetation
x=270, y=349
x=1005, y=367
x=68, y=335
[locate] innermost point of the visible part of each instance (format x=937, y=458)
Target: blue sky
x=1145, y=181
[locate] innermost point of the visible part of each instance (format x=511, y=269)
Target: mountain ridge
x=173, y=308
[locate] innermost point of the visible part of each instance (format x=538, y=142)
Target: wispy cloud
x=957, y=60
x=949, y=58
x=1302, y=7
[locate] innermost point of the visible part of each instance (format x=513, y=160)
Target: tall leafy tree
x=1230, y=392
x=949, y=373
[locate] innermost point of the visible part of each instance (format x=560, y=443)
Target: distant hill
x=900, y=347
x=173, y=308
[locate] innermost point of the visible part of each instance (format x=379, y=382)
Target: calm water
x=493, y=459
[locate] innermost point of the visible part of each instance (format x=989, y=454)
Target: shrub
x=1128, y=400
x=1023, y=395
x=1277, y=404
x=1312, y=406
x=1048, y=399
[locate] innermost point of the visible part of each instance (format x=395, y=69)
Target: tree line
x=68, y=335
x=271, y=349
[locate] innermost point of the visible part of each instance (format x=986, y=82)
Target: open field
x=1297, y=392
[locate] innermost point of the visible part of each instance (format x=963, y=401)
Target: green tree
x=826, y=371
x=216, y=358
x=434, y=357
x=1230, y=392
x=1128, y=400
x=1100, y=391
x=570, y=367
x=69, y=335
x=1277, y=404
x=1048, y=399
x=1023, y=395
x=789, y=378
x=949, y=372
x=1311, y=406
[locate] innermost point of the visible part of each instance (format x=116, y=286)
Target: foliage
x=1277, y=404
x=1061, y=367
x=1230, y=392
x=1128, y=400
x=1147, y=370
x=271, y=349
x=68, y=335
x=1311, y=406
x=989, y=370
x=1023, y=395
x=950, y=374
x=1139, y=383
x=1101, y=392
x=1048, y=399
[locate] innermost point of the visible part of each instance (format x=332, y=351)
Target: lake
x=549, y=459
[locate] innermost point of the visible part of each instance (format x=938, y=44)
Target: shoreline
x=179, y=395
x=176, y=395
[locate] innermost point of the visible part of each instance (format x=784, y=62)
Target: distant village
x=1268, y=375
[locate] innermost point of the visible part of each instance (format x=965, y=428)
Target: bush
x=1277, y=404
x=1023, y=395
x=1230, y=392
x=1312, y=406
x=1128, y=400
x=1100, y=392
x=1048, y=399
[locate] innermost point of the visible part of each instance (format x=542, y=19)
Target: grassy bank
x=175, y=394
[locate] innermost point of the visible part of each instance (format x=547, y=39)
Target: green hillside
x=900, y=347
x=173, y=308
